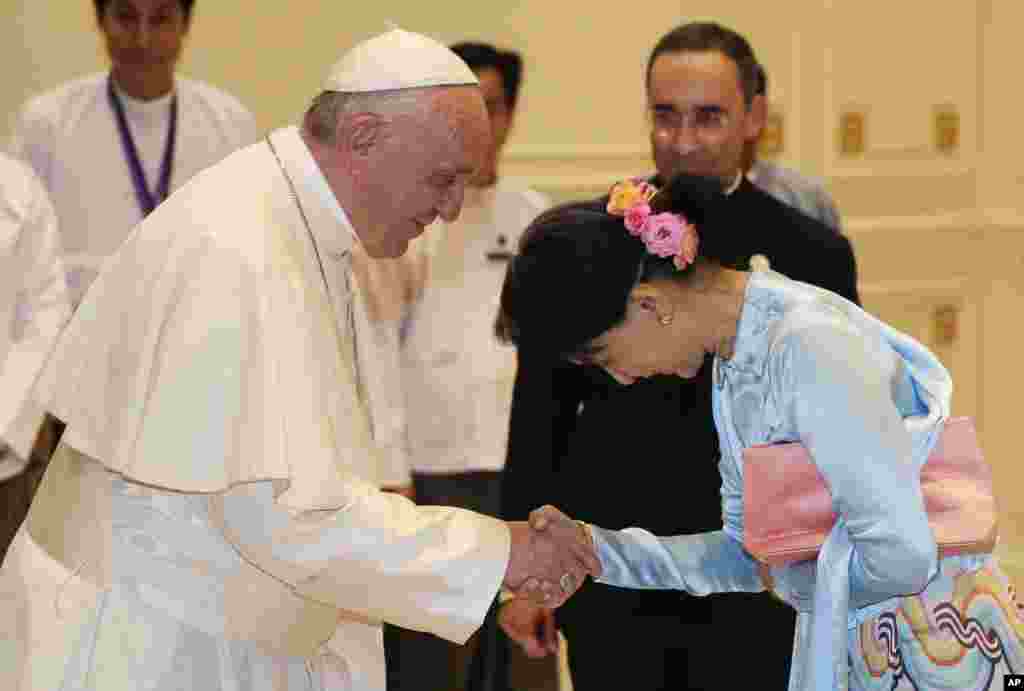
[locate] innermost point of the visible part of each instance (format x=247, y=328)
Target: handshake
x=551, y=556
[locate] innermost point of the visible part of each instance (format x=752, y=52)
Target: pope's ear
x=359, y=132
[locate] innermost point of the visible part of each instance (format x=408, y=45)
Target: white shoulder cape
x=206, y=354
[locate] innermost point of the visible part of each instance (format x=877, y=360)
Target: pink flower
x=663, y=234
x=687, y=248
x=636, y=217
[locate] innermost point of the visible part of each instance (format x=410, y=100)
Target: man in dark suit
x=646, y=455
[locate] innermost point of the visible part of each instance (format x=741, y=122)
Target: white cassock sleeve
x=425, y=568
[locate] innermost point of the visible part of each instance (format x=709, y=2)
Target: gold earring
x=665, y=320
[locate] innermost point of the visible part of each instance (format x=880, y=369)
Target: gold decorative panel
x=851, y=133
x=947, y=129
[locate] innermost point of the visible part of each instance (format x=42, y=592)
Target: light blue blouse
x=867, y=402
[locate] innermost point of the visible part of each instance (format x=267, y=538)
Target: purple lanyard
x=147, y=200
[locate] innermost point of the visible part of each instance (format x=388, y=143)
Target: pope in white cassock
x=209, y=520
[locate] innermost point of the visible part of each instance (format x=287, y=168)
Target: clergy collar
x=735, y=183
x=764, y=171
x=328, y=221
x=754, y=172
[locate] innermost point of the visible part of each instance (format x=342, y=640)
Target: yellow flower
x=624, y=196
x=627, y=194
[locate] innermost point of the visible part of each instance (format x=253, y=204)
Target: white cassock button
x=759, y=262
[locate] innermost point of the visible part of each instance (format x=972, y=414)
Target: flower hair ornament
x=665, y=234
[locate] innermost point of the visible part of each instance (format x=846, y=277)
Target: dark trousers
x=654, y=640
x=423, y=662
x=16, y=493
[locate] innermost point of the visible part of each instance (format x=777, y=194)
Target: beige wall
x=582, y=111
x=933, y=231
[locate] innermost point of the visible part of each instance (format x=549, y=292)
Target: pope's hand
x=552, y=521
x=530, y=625
x=549, y=564
x=549, y=519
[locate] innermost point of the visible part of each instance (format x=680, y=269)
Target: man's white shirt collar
x=321, y=207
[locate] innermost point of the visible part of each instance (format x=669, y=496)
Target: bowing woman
x=646, y=286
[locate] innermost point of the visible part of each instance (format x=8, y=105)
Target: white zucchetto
x=397, y=59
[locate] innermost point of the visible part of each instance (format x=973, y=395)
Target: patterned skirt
x=965, y=632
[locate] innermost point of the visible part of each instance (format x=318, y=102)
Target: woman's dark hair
x=186, y=8
x=577, y=264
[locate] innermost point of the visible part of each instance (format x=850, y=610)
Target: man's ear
x=757, y=117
